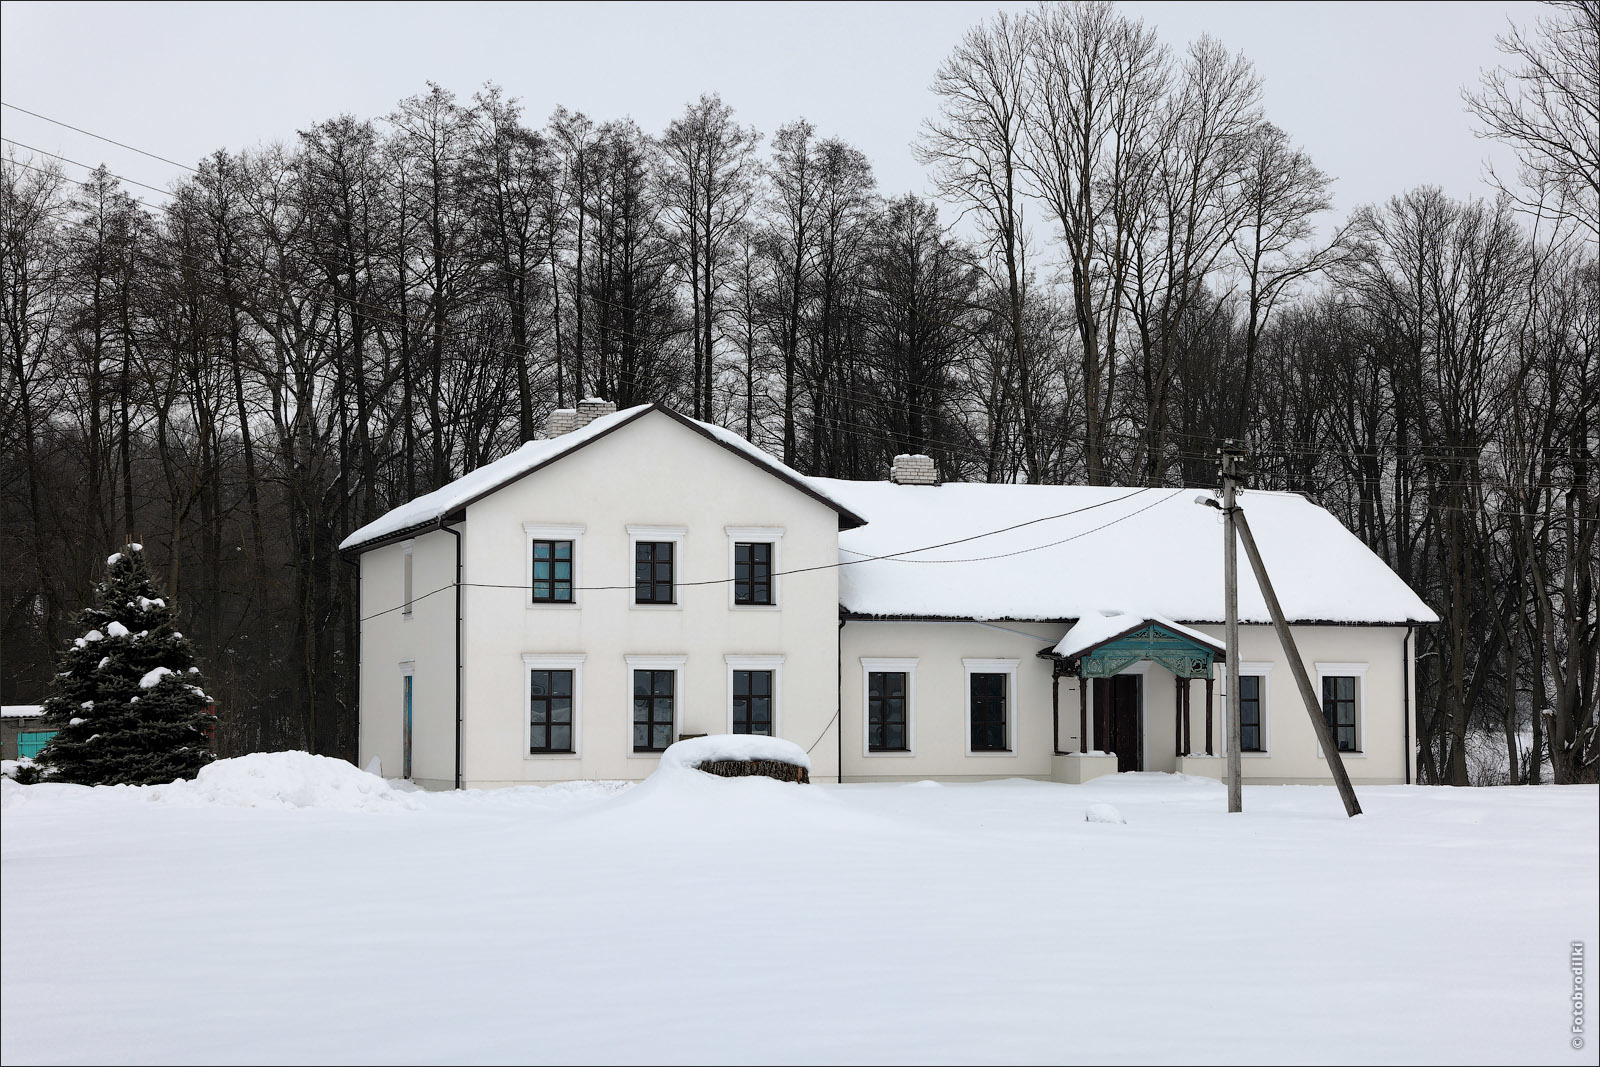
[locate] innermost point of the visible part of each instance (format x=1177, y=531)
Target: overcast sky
x=1371, y=90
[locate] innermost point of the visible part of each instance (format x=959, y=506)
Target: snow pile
x=690, y=754
x=1104, y=813
x=285, y=780
x=21, y=711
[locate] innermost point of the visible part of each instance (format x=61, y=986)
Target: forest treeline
x=1127, y=264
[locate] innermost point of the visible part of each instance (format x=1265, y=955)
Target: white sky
x=1372, y=90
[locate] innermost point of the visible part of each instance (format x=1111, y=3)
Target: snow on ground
x=699, y=919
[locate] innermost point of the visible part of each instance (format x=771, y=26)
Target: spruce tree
x=127, y=705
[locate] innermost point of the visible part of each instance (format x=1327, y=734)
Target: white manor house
x=638, y=577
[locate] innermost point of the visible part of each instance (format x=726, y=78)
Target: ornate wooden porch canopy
x=1181, y=653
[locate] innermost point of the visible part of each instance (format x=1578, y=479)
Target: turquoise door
x=31, y=743
x=405, y=754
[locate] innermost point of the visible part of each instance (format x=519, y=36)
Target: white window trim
x=1359, y=672
x=909, y=668
x=539, y=661
x=545, y=531
x=773, y=663
x=676, y=535
x=1262, y=670
x=770, y=534
x=1007, y=667
x=673, y=663
x=408, y=580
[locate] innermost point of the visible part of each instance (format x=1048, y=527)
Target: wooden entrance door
x=1116, y=720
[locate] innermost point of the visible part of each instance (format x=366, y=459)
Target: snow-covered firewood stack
x=128, y=705
x=740, y=756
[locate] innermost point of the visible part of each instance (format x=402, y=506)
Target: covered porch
x=1121, y=697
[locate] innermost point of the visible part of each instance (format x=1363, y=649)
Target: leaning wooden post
x=1347, y=792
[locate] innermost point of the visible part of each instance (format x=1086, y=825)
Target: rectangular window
x=886, y=711
x=989, y=713
x=1339, y=710
x=652, y=572
x=653, y=701
x=752, y=572
x=552, y=572
x=406, y=685
x=752, y=702
x=1250, y=736
x=549, y=711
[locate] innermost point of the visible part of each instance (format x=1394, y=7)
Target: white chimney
x=561, y=420
x=914, y=470
x=591, y=408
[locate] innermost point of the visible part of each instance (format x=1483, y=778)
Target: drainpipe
x=1405, y=696
x=839, y=693
x=457, y=535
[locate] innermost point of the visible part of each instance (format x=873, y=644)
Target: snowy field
x=697, y=920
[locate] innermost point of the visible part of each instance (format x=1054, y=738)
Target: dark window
x=886, y=711
x=652, y=710
x=1250, y=713
x=752, y=572
x=1339, y=710
x=989, y=713
x=752, y=702
x=549, y=711
x=552, y=572
x=652, y=572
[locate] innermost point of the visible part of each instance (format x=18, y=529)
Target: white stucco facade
x=651, y=475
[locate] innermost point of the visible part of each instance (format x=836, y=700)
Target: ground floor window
x=654, y=700
x=1339, y=710
x=1250, y=735
x=752, y=702
x=886, y=711
x=549, y=711
x=989, y=733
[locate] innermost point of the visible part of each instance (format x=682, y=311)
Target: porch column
x=1083, y=714
x=1208, y=718
x=1188, y=742
x=1177, y=716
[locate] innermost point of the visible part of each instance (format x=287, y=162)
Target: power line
x=98, y=137
x=87, y=167
x=893, y=556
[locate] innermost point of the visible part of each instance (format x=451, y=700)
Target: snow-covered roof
x=20, y=711
x=1073, y=552
x=1098, y=627
x=431, y=507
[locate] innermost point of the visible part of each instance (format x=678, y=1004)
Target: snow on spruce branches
x=128, y=703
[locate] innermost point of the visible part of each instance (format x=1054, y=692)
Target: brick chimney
x=561, y=420
x=914, y=470
x=592, y=408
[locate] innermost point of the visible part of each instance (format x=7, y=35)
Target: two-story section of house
x=570, y=610
x=626, y=582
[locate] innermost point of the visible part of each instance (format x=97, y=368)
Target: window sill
x=753, y=607
x=991, y=752
x=1358, y=754
x=558, y=605
x=655, y=607
x=891, y=753
x=645, y=755
x=550, y=755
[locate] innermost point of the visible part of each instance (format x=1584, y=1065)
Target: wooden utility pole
x=1347, y=792
x=1231, y=454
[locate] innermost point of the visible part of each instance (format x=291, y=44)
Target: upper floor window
x=1251, y=738
x=405, y=612
x=652, y=572
x=752, y=572
x=1340, y=707
x=552, y=571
